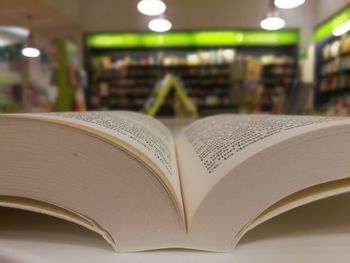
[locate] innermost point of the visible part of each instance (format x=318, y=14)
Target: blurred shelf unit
x=122, y=81
x=333, y=74
x=7, y=81
x=278, y=77
x=333, y=68
x=124, y=77
x=264, y=78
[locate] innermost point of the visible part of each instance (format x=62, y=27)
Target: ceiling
x=45, y=18
x=105, y=15
x=51, y=16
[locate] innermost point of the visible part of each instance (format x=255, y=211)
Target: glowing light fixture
x=31, y=52
x=15, y=30
x=159, y=25
x=151, y=7
x=288, y=4
x=272, y=21
x=342, y=29
x=11, y=34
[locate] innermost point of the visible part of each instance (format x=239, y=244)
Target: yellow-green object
x=161, y=91
x=65, y=89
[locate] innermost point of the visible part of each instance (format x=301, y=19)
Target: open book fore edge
x=295, y=200
x=300, y=198
x=54, y=210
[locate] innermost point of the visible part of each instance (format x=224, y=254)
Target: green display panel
x=196, y=38
x=326, y=28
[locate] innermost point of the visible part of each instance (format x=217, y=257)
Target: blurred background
x=175, y=58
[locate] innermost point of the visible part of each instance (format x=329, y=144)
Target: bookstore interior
x=290, y=57
x=85, y=69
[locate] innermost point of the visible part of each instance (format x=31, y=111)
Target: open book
x=124, y=176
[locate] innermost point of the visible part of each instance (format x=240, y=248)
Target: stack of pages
x=122, y=175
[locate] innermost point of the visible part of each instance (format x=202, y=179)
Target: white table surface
x=318, y=232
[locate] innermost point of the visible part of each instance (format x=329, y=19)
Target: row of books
x=335, y=83
x=339, y=105
x=336, y=48
x=334, y=76
x=336, y=66
x=170, y=58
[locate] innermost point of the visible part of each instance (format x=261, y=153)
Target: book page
x=100, y=166
x=210, y=148
x=146, y=134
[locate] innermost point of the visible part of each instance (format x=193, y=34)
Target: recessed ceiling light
x=159, y=25
x=272, y=23
x=342, y=29
x=151, y=7
x=288, y=4
x=31, y=52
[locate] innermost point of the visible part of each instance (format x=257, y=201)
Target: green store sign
x=326, y=28
x=195, y=38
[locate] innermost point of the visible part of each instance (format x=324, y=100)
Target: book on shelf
x=124, y=176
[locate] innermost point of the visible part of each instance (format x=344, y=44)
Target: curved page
x=136, y=132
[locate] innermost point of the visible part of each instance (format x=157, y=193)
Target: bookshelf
x=332, y=71
x=125, y=67
x=333, y=75
x=128, y=85
x=278, y=79
x=131, y=85
x=120, y=83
